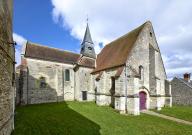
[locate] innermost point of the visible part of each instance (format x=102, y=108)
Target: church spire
x=87, y=36
x=87, y=46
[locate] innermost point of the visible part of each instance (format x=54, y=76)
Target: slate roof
x=185, y=82
x=116, y=53
x=51, y=54
x=87, y=36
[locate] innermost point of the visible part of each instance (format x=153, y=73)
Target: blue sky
x=61, y=24
x=33, y=20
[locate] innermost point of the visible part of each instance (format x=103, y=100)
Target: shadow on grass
x=52, y=119
x=47, y=119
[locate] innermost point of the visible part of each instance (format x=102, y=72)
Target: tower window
x=90, y=48
x=67, y=75
x=141, y=72
x=42, y=82
x=151, y=34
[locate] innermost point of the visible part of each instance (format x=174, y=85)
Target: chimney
x=186, y=77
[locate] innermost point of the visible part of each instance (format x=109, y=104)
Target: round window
x=90, y=48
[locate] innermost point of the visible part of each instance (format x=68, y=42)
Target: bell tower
x=87, y=46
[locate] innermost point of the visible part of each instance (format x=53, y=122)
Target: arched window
x=67, y=75
x=42, y=81
x=141, y=72
x=151, y=34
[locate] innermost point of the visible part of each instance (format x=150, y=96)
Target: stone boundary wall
x=6, y=69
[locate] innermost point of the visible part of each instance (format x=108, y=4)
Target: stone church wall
x=57, y=88
x=6, y=69
x=104, y=87
x=152, y=82
x=84, y=81
x=147, y=54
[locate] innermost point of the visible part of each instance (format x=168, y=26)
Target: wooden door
x=142, y=98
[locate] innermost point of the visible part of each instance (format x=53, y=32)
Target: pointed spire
x=87, y=36
x=87, y=46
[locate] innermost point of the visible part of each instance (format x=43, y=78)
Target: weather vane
x=87, y=18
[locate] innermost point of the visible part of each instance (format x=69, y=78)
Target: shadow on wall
x=31, y=90
x=52, y=119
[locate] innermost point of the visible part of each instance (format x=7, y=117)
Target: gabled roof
x=51, y=54
x=116, y=53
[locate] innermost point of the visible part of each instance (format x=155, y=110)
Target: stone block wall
x=84, y=81
x=181, y=92
x=6, y=69
x=57, y=88
x=104, y=86
x=145, y=53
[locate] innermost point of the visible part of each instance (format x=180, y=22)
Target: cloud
x=108, y=20
x=20, y=40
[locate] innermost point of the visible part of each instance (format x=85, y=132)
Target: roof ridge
x=121, y=37
x=121, y=47
x=46, y=46
x=184, y=82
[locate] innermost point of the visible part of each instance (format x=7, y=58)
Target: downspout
x=125, y=88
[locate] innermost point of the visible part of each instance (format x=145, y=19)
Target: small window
x=90, y=48
x=151, y=34
x=42, y=82
x=84, y=95
x=141, y=72
x=67, y=75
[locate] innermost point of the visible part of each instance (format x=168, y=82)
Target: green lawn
x=74, y=118
x=181, y=112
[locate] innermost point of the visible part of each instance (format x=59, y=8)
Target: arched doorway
x=142, y=100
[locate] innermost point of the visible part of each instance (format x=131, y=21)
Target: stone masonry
x=145, y=53
x=181, y=91
x=6, y=69
x=128, y=74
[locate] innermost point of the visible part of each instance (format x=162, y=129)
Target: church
x=128, y=74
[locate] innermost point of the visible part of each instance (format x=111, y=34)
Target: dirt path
x=167, y=117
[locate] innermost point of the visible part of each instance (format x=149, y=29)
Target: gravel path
x=167, y=117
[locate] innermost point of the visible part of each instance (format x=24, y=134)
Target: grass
x=181, y=112
x=74, y=118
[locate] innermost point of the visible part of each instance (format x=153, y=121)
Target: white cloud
x=20, y=40
x=108, y=20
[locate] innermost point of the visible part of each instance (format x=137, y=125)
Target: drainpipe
x=125, y=88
